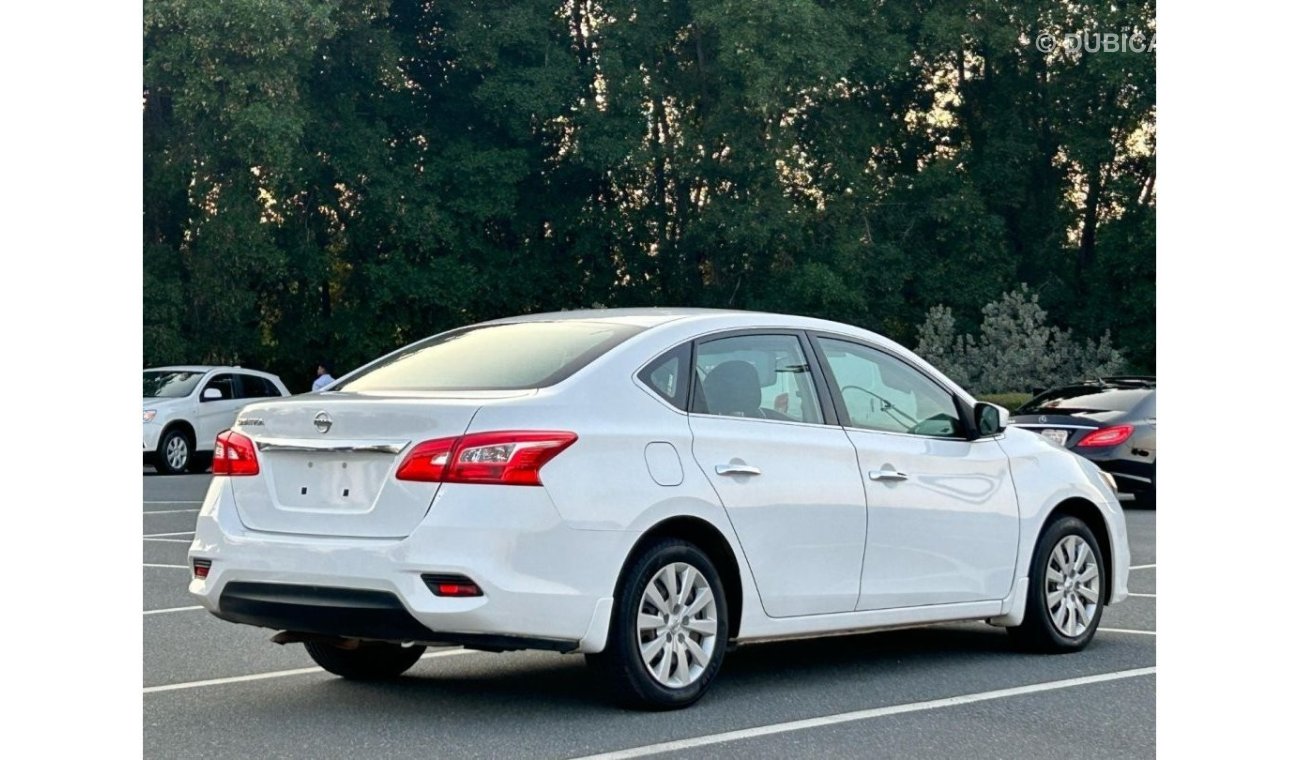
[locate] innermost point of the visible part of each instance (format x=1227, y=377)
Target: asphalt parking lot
x=215, y=689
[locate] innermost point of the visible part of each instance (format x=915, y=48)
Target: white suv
x=185, y=408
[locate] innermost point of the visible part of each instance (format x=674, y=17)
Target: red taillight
x=427, y=461
x=509, y=457
x=201, y=568
x=234, y=454
x=1108, y=436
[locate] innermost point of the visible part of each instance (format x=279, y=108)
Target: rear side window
x=668, y=374
x=258, y=387
x=511, y=356
x=756, y=376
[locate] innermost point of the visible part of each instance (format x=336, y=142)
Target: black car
x=1111, y=421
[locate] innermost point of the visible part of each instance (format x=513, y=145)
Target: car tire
x=367, y=661
x=175, y=452
x=669, y=664
x=1067, y=590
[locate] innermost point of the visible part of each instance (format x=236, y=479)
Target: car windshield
x=511, y=356
x=171, y=383
x=1085, y=399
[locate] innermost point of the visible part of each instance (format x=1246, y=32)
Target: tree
x=331, y=177
x=1016, y=351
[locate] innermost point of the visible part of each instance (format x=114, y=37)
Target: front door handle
x=737, y=469
x=887, y=475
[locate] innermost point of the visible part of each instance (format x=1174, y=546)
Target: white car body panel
x=205, y=418
x=548, y=558
x=804, y=545
x=948, y=533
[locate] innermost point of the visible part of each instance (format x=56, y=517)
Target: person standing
x=323, y=377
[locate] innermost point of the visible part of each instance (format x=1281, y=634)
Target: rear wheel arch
x=1091, y=516
x=710, y=540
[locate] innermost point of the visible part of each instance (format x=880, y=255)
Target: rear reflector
x=234, y=454
x=201, y=568
x=508, y=457
x=1108, y=436
x=451, y=585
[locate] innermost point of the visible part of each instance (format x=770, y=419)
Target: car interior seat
x=732, y=388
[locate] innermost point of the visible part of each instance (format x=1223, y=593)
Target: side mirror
x=990, y=419
x=212, y=394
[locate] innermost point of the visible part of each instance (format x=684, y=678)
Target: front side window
x=882, y=393
x=223, y=383
x=756, y=376
x=510, y=356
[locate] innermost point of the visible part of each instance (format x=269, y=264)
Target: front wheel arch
x=1091, y=516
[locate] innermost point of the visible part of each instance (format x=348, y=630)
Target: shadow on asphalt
x=565, y=681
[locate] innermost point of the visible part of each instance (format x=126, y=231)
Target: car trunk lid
x=327, y=462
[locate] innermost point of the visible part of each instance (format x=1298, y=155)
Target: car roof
x=641, y=317
x=205, y=368
x=649, y=317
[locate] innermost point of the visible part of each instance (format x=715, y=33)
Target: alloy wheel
x=178, y=452
x=677, y=625
x=1073, y=586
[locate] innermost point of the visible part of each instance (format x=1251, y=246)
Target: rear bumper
x=545, y=585
x=353, y=613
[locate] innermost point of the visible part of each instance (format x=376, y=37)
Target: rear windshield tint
x=511, y=356
x=1086, y=399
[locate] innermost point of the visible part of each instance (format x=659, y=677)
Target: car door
x=788, y=480
x=216, y=415
x=942, y=516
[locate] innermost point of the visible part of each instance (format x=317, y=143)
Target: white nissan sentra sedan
x=647, y=487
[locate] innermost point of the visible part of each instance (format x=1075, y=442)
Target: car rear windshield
x=170, y=383
x=1085, y=399
x=510, y=356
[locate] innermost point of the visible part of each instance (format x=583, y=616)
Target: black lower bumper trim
x=354, y=614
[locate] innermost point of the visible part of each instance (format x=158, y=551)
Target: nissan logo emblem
x=323, y=422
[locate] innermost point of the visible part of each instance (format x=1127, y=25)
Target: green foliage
x=339, y=177
x=1008, y=401
x=1016, y=350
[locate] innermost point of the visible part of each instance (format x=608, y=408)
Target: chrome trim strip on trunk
x=1050, y=426
x=300, y=444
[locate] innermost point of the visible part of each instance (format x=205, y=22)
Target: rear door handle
x=737, y=469
x=887, y=475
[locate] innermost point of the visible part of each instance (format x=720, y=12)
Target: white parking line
x=175, y=501
x=1142, y=567
x=178, y=567
x=856, y=715
x=177, y=533
x=171, y=540
x=1128, y=630
x=1142, y=596
x=277, y=674
x=173, y=609
x=167, y=511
